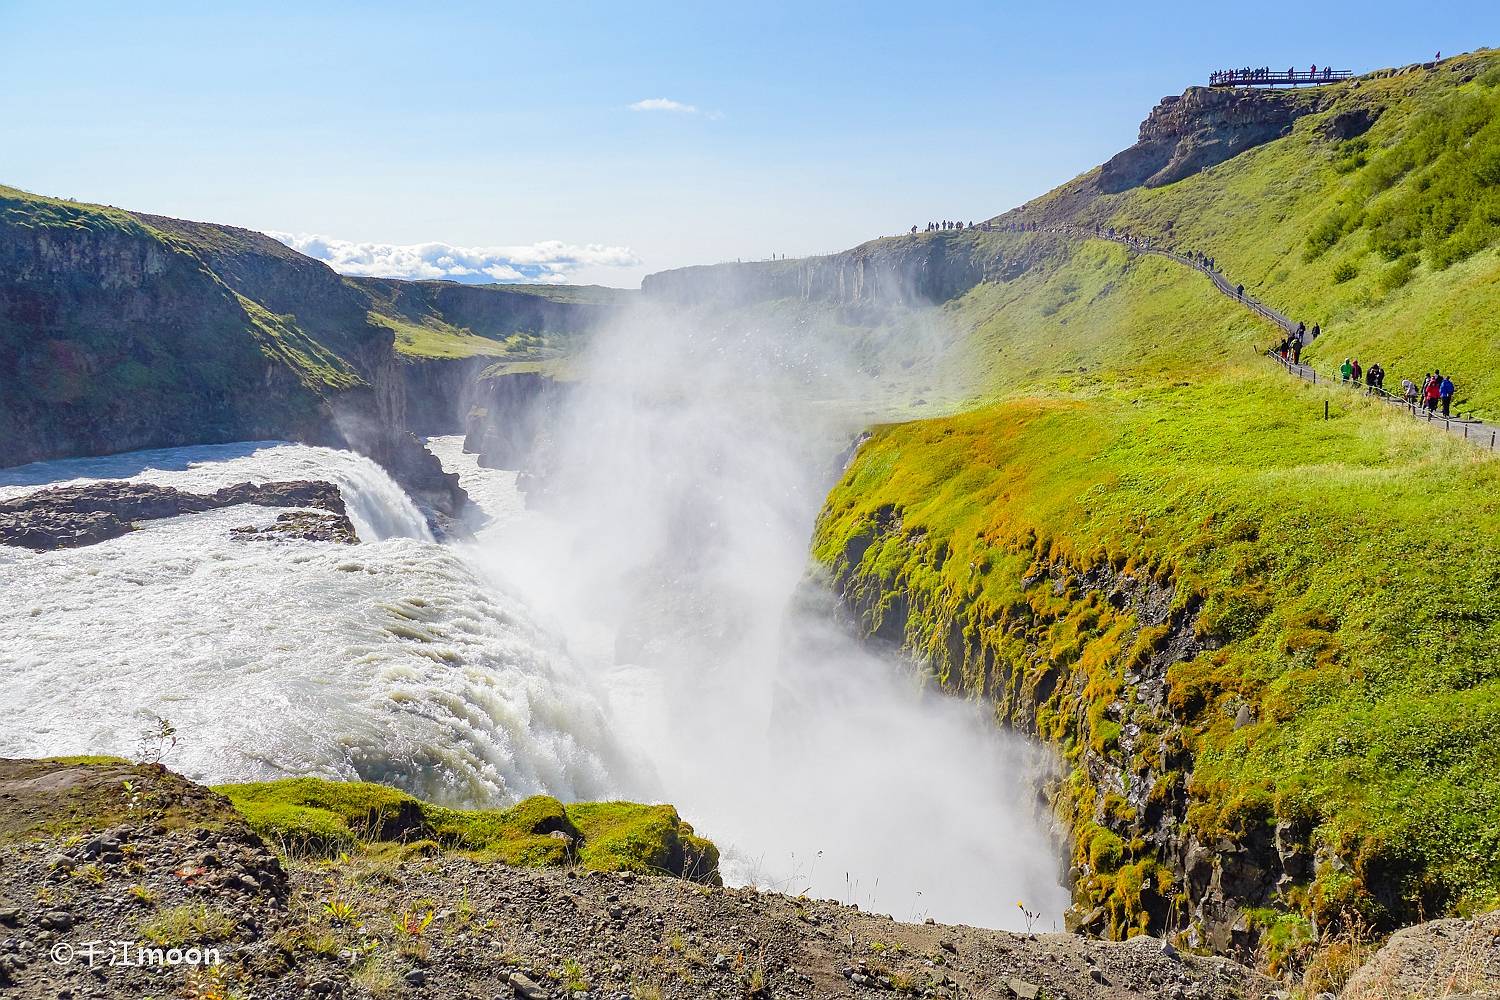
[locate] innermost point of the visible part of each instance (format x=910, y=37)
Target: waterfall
x=395, y=660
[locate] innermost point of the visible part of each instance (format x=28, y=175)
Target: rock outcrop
x=73, y=516
x=1187, y=134
x=512, y=417
x=1438, y=960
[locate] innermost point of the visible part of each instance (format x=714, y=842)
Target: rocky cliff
x=1187, y=134
x=124, y=331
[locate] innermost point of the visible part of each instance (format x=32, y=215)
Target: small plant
x=188, y=924
x=135, y=797
x=464, y=913
x=156, y=742
x=90, y=872
x=1032, y=916
x=645, y=991
x=1347, y=271
x=413, y=924
x=573, y=979
x=210, y=983
x=141, y=894
x=340, y=912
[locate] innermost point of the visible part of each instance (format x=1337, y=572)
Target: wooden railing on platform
x=1274, y=78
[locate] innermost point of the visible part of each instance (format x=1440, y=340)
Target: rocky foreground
x=74, y=516
x=142, y=869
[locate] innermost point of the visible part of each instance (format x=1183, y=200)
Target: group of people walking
x=947, y=224
x=1435, y=392
x=1290, y=348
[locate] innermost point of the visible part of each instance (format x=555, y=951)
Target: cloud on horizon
x=548, y=262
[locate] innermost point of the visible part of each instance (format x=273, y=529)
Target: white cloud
x=664, y=104
x=550, y=261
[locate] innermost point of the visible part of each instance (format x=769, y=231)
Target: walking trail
x=1475, y=431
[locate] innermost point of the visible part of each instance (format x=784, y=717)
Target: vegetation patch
x=314, y=816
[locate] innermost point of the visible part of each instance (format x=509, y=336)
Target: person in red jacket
x=1433, y=392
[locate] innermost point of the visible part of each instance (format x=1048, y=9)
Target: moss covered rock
x=317, y=816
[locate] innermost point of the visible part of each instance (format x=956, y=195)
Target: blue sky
x=507, y=130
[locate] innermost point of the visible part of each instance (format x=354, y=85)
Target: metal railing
x=1274, y=78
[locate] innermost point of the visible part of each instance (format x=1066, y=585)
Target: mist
x=672, y=506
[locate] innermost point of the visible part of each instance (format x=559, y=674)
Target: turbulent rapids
x=394, y=660
x=451, y=670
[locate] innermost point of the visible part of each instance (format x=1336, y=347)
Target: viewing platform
x=1266, y=77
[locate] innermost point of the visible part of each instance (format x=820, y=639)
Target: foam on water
x=394, y=660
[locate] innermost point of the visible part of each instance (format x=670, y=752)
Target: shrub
x=1347, y=271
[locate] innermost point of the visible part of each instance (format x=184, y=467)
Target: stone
x=1021, y=988
x=56, y=920
x=525, y=987
x=416, y=977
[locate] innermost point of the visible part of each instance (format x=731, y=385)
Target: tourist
x=1317, y=331
x=1445, y=393
x=1433, y=391
x=1296, y=350
x=1239, y=292
x=1355, y=371
x=1409, y=391
x=1344, y=370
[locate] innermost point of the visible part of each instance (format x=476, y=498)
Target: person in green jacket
x=1346, y=369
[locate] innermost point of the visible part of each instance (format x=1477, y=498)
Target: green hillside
x=123, y=330
x=1247, y=630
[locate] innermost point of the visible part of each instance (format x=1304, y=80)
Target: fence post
x=1325, y=409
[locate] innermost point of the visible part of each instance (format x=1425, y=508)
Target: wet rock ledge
x=74, y=516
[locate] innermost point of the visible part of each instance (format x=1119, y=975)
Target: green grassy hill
x=1264, y=644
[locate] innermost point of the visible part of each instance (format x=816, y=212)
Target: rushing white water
x=670, y=545
x=394, y=660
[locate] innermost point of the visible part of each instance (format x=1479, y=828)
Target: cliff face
x=901, y=271
x=124, y=331
x=116, y=339
x=1187, y=134
x=509, y=424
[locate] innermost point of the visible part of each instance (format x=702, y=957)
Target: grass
x=1334, y=582
x=190, y=923
x=312, y=816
